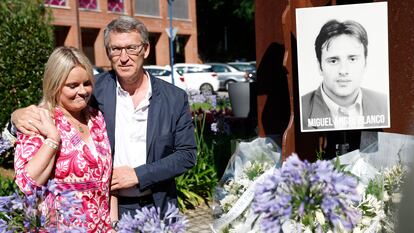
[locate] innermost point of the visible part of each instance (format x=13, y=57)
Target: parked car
x=228, y=74
x=246, y=67
x=199, y=77
x=97, y=70
x=164, y=73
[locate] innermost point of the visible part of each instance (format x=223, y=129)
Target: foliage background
x=226, y=30
x=25, y=43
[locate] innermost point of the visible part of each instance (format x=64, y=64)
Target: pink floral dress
x=80, y=166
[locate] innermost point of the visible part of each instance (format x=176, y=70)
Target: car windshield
x=219, y=69
x=193, y=69
x=244, y=67
x=158, y=72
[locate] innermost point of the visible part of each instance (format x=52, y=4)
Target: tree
x=226, y=30
x=241, y=8
x=25, y=43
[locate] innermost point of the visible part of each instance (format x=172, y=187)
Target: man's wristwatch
x=114, y=225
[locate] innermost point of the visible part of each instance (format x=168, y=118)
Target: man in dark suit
x=148, y=121
x=339, y=102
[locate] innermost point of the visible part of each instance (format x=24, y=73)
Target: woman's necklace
x=77, y=125
x=80, y=129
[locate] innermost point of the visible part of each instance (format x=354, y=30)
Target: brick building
x=80, y=23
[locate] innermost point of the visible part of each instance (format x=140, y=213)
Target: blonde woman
x=73, y=147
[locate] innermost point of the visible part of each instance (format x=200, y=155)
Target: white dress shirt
x=131, y=133
x=345, y=117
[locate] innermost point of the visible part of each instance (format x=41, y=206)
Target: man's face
x=342, y=66
x=127, y=66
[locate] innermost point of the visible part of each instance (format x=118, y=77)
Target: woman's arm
x=40, y=166
x=36, y=158
x=114, y=211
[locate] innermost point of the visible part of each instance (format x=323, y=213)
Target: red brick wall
x=66, y=16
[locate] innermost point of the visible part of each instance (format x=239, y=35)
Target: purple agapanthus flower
x=21, y=213
x=299, y=188
x=4, y=145
x=198, y=98
x=148, y=219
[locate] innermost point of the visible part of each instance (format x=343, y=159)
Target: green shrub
x=196, y=186
x=26, y=40
x=7, y=186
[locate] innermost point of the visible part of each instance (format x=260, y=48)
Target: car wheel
x=227, y=84
x=206, y=89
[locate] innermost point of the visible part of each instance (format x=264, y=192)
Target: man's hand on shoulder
x=27, y=120
x=123, y=177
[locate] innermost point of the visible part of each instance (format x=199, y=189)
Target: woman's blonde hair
x=58, y=67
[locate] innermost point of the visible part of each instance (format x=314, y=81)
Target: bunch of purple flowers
x=148, y=220
x=4, y=145
x=28, y=213
x=315, y=197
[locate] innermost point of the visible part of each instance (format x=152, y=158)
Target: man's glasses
x=133, y=49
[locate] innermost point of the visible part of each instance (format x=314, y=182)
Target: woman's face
x=76, y=91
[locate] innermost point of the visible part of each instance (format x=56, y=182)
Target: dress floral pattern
x=80, y=166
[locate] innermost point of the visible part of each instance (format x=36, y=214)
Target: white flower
x=360, y=188
x=356, y=230
x=307, y=230
x=320, y=218
x=374, y=203
x=228, y=201
x=245, y=183
x=366, y=221
x=396, y=197
x=290, y=226
x=386, y=197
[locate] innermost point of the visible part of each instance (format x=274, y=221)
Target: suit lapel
x=153, y=114
x=110, y=109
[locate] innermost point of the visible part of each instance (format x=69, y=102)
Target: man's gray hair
x=125, y=24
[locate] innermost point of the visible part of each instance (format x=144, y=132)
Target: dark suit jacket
x=313, y=106
x=171, y=146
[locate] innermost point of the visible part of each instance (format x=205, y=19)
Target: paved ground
x=199, y=220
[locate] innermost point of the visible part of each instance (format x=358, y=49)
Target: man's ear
x=147, y=50
x=107, y=53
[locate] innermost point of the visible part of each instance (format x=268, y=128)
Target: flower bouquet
x=382, y=196
x=235, y=191
x=149, y=220
x=357, y=192
x=21, y=213
x=322, y=197
x=307, y=197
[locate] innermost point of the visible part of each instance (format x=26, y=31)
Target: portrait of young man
x=340, y=102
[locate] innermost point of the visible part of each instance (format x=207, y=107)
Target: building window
x=88, y=4
x=116, y=5
x=147, y=7
x=56, y=2
x=180, y=9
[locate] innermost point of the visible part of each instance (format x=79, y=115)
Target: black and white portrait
x=343, y=67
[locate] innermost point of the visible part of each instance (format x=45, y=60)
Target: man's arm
x=27, y=120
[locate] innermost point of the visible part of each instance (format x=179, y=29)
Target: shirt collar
x=121, y=91
x=335, y=109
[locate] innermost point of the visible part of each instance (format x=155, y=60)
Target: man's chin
x=124, y=74
x=344, y=91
